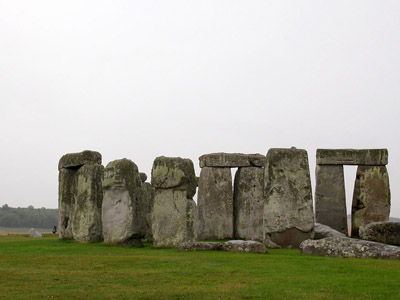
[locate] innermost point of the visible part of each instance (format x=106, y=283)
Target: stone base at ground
x=290, y=238
x=348, y=247
x=322, y=231
x=382, y=232
x=244, y=246
x=34, y=233
x=201, y=246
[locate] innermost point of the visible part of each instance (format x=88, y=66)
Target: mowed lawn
x=51, y=269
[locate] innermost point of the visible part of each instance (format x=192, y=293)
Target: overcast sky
x=140, y=79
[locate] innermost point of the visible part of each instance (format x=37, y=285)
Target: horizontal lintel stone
x=370, y=157
x=75, y=160
x=231, y=160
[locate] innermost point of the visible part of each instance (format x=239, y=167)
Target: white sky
x=140, y=79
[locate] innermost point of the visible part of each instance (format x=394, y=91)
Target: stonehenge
x=268, y=203
x=371, y=198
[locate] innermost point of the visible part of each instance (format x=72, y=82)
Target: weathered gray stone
x=330, y=197
x=122, y=209
x=86, y=216
x=288, y=216
x=245, y=246
x=77, y=160
x=371, y=157
x=322, y=231
x=173, y=219
x=202, y=246
x=382, y=232
x=143, y=176
x=270, y=244
x=256, y=160
x=66, y=202
x=34, y=233
x=224, y=160
x=147, y=207
x=371, y=198
x=174, y=172
x=215, y=204
x=248, y=203
x=347, y=247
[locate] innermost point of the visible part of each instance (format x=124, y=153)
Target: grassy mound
x=51, y=269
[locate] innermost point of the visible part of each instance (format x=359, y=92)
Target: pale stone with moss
x=370, y=157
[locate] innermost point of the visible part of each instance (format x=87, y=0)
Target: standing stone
x=248, y=203
x=288, y=211
x=148, y=204
x=174, y=213
x=330, y=197
x=215, y=204
x=86, y=219
x=371, y=198
x=66, y=202
x=122, y=210
x=80, y=196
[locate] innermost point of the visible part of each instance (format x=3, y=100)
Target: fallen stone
x=244, y=246
x=122, y=211
x=201, y=246
x=270, y=244
x=348, y=247
x=330, y=197
x=215, y=204
x=248, y=203
x=382, y=232
x=174, y=172
x=322, y=231
x=371, y=198
x=77, y=160
x=86, y=216
x=371, y=157
x=224, y=160
x=34, y=233
x=288, y=216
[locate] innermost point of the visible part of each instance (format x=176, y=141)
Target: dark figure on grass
x=54, y=229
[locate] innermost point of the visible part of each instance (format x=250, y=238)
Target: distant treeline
x=27, y=217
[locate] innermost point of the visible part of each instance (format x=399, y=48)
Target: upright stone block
x=123, y=215
x=248, y=203
x=174, y=213
x=215, y=204
x=288, y=211
x=371, y=198
x=86, y=219
x=80, y=196
x=148, y=205
x=330, y=197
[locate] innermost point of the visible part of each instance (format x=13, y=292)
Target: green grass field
x=51, y=269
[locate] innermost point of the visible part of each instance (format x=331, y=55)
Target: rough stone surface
x=371, y=157
x=122, y=211
x=330, y=197
x=173, y=219
x=77, y=160
x=224, y=160
x=382, y=232
x=174, y=172
x=371, y=198
x=215, y=204
x=248, y=203
x=66, y=202
x=86, y=216
x=256, y=160
x=244, y=246
x=148, y=204
x=195, y=246
x=288, y=216
x=143, y=176
x=34, y=233
x=322, y=231
x=347, y=247
x=270, y=244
